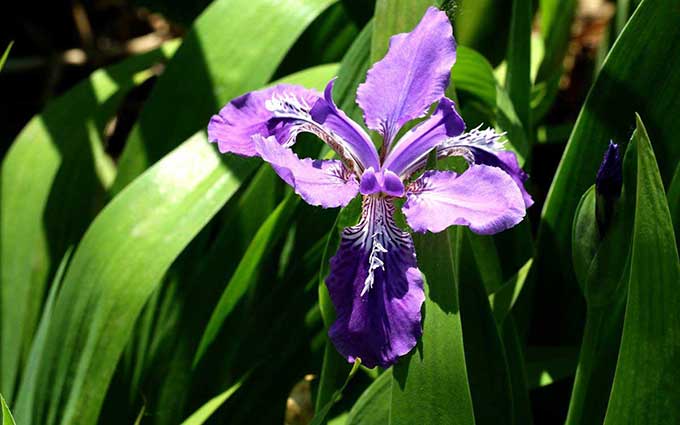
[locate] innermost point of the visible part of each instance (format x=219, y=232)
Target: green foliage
x=133, y=289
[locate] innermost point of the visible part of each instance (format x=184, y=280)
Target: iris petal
x=284, y=111
x=376, y=287
x=356, y=142
x=326, y=183
x=484, y=198
x=412, y=76
x=483, y=147
x=232, y=129
x=413, y=148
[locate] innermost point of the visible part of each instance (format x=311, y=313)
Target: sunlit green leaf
x=5, y=55
x=51, y=191
x=112, y=274
x=203, y=414
x=7, y=418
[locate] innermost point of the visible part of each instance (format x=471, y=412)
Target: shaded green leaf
x=223, y=61
x=203, y=414
x=645, y=383
x=518, y=74
x=430, y=385
x=373, y=407
x=674, y=202
x=320, y=416
x=644, y=58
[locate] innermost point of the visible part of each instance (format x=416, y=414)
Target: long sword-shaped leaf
x=518, y=76
x=645, y=383
x=7, y=418
x=234, y=46
x=50, y=193
x=203, y=414
x=645, y=57
x=431, y=384
x=674, y=203
x=116, y=267
x=5, y=55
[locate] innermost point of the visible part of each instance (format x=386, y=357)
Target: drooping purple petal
x=483, y=198
x=357, y=143
x=326, y=183
x=412, y=76
x=376, y=288
x=506, y=161
x=412, y=149
x=232, y=129
x=483, y=147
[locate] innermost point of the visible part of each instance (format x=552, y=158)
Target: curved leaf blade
x=224, y=61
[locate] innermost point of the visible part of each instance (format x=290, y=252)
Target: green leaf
x=320, y=416
x=228, y=51
x=430, y=385
x=393, y=17
x=265, y=238
x=645, y=383
x=644, y=58
x=7, y=418
x=482, y=25
x=29, y=389
x=487, y=369
x=518, y=75
x=373, y=407
x=546, y=365
x=505, y=297
x=556, y=21
x=674, y=202
x=50, y=193
x=5, y=55
x=115, y=269
x=204, y=412
x=515, y=357
x=473, y=73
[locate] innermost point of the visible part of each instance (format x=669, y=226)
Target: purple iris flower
x=374, y=280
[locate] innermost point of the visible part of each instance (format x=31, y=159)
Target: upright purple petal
x=484, y=198
x=326, y=183
x=412, y=76
x=357, y=143
x=412, y=149
x=377, y=289
x=232, y=129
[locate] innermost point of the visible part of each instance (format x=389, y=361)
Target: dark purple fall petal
x=325, y=183
x=378, y=317
x=609, y=178
x=326, y=114
x=483, y=198
x=412, y=76
x=415, y=145
x=248, y=115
